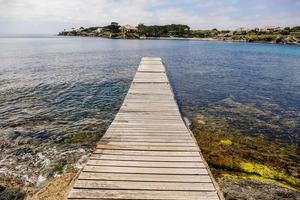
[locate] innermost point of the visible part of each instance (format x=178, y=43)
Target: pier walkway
x=147, y=152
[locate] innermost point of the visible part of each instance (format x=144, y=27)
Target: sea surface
x=59, y=94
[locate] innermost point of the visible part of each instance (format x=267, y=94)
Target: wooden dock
x=147, y=152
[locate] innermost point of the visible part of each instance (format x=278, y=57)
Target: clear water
x=55, y=89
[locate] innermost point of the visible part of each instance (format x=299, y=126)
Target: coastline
x=276, y=35
x=214, y=39
x=185, y=39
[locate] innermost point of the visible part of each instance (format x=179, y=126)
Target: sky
x=52, y=16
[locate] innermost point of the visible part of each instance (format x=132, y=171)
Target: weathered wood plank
x=146, y=147
x=154, y=130
x=145, y=122
x=145, y=170
x=155, y=140
x=146, y=164
x=176, y=127
x=138, y=194
x=151, y=59
x=146, y=158
x=147, y=135
x=148, y=130
x=145, y=177
x=148, y=153
x=151, y=62
x=154, y=144
x=140, y=185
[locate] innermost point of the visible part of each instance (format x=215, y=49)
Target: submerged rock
x=11, y=193
x=243, y=189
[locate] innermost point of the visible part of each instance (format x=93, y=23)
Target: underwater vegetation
x=256, y=157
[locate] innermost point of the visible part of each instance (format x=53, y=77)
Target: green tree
x=295, y=29
x=113, y=28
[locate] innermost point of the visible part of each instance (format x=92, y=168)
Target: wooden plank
x=148, y=130
x=150, y=91
x=147, y=102
x=177, y=127
x=137, y=96
x=138, y=194
x=154, y=144
x=158, y=110
x=146, y=135
x=153, y=121
x=138, y=134
x=144, y=125
x=146, y=147
x=166, y=115
x=145, y=121
x=162, y=138
x=146, y=158
x=148, y=88
x=140, y=185
x=169, y=109
x=145, y=177
x=152, y=62
x=140, y=129
x=155, y=140
x=145, y=95
x=144, y=170
x=149, y=118
x=146, y=117
x=151, y=59
x=146, y=164
x=145, y=138
x=172, y=130
x=152, y=130
x=148, y=153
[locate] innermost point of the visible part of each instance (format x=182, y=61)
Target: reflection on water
x=58, y=95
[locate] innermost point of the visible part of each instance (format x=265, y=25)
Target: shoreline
x=277, y=35
x=184, y=39
x=214, y=39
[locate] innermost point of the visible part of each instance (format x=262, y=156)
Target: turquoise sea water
x=55, y=88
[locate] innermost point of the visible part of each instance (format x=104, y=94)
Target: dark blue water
x=59, y=94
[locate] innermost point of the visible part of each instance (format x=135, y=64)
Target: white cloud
x=94, y=11
x=54, y=15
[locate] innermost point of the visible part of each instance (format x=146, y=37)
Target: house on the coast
x=271, y=29
x=296, y=35
x=99, y=30
x=129, y=28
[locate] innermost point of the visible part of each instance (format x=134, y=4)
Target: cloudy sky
x=51, y=16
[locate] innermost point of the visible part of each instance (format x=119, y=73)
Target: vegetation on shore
x=287, y=35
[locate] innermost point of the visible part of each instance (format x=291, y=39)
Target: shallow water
x=59, y=94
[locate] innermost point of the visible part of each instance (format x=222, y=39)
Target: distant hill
x=287, y=35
